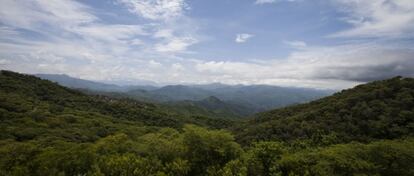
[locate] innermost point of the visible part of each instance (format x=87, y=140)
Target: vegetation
x=378, y=110
x=210, y=107
x=46, y=129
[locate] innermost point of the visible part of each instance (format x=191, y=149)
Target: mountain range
x=235, y=100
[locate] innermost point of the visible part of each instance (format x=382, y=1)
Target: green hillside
x=46, y=129
x=210, y=107
x=378, y=110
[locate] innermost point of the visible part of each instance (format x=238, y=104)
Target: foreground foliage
x=198, y=151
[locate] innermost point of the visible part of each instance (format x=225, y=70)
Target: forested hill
x=377, y=110
x=32, y=96
x=49, y=130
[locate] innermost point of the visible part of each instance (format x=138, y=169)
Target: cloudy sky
x=304, y=43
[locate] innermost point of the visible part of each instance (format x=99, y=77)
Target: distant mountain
x=212, y=86
x=210, y=107
x=77, y=83
x=265, y=97
x=181, y=92
x=254, y=98
x=132, y=82
x=71, y=82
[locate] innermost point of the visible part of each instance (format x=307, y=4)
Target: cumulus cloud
x=28, y=14
x=241, y=38
x=156, y=9
x=72, y=39
x=71, y=31
x=175, y=44
x=170, y=21
x=172, y=42
x=377, y=18
x=326, y=67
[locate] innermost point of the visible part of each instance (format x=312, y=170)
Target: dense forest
x=378, y=110
x=47, y=129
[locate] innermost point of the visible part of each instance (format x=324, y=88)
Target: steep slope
x=378, y=110
x=37, y=97
x=48, y=130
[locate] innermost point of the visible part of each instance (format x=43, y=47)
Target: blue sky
x=303, y=43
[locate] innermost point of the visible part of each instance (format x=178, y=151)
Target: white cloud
x=321, y=67
x=172, y=42
x=156, y=9
x=264, y=1
x=155, y=64
x=107, y=32
x=177, y=67
x=241, y=38
x=170, y=23
x=28, y=14
x=296, y=44
x=4, y=61
x=318, y=67
x=377, y=18
x=175, y=44
x=69, y=29
x=136, y=42
x=271, y=1
x=77, y=42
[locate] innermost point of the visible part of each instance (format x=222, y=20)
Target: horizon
x=322, y=44
x=161, y=85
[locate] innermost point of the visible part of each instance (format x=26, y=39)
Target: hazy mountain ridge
x=71, y=82
x=254, y=98
x=211, y=107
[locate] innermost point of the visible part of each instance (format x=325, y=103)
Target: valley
x=47, y=129
x=212, y=100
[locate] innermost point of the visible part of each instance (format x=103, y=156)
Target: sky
x=326, y=44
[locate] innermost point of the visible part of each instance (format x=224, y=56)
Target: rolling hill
x=377, y=110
